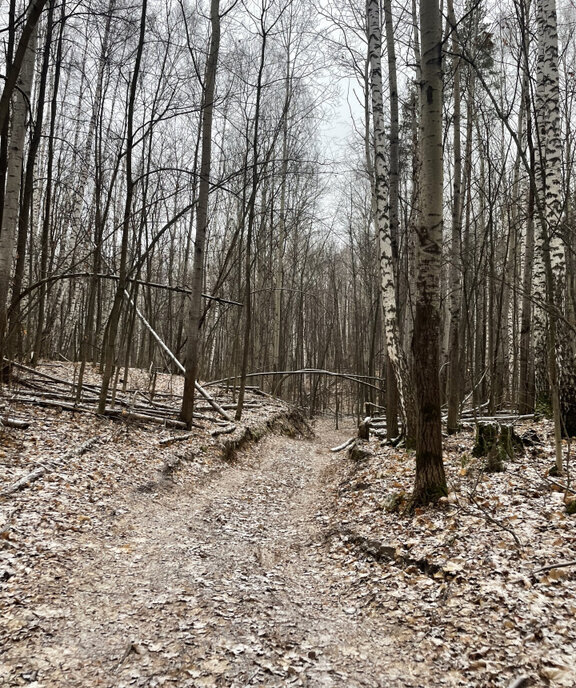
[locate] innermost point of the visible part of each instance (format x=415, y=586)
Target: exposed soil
x=227, y=582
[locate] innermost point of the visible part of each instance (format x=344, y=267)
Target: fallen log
x=14, y=423
x=130, y=415
x=223, y=431
x=177, y=438
x=37, y=401
x=344, y=445
x=46, y=376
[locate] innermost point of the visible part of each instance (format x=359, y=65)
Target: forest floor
x=135, y=563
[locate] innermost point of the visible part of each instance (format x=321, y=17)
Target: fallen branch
x=37, y=473
x=562, y=565
x=169, y=353
x=495, y=521
x=37, y=401
x=345, y=445
x=52, y=378
x=565, y=488
x=223, y=431
x=14, y=423
x=232, y=407
x=376, y=406
x=358, y=379
x=177, y=438
x=128, y=415
x=24, y=482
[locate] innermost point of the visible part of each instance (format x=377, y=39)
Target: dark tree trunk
x=430, y=483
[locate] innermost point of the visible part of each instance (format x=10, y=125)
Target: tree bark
x=42, y=319
x=382, y=218
x=454, y=283
x=114, y=318
x=32, y=16
x=430, y=482
x=549, y=175
x=195, y=312
x=11, y=208
x=15, y=335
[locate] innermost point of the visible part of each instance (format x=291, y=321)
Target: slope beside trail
x=226, y=582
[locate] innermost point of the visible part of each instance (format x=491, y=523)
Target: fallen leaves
x=486, y=540
x=266, y=574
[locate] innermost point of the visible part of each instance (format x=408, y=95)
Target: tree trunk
x=11, y=208
x=195, y=312
x=551, y=206
x=42, y=320
x=109, y=348
x=15, y=336
x=430, y=482
x=382, y=213
x=454, y=284
x=32, y=16
x=392, y=394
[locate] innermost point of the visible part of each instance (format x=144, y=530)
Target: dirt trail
x=229, y=583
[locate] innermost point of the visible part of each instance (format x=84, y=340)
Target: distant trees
x=335, y=256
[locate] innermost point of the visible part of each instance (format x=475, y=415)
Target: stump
x=497, y=443
x=364, y=429
x=486, y=437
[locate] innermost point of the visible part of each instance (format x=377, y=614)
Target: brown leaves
x=483, y=586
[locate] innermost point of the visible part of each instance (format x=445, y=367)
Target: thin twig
x=495, y=521
x=562, y=565
x=566, y=488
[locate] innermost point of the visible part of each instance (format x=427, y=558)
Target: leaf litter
x=288, y=566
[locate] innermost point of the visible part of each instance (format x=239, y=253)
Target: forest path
x=226, y=583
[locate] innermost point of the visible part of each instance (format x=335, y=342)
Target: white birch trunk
x=550, y=198
x=11, y=210
x=381, y=207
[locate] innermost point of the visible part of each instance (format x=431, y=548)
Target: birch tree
x=11, y=209
x=382, y=209
x=430, y=482
x=550, y=280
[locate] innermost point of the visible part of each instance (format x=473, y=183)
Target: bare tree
x=11, y=210
x=430, y=482
x=192, y=350
x=382, y=211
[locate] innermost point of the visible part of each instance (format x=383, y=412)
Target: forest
x=151, y=154
x=233, y=222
